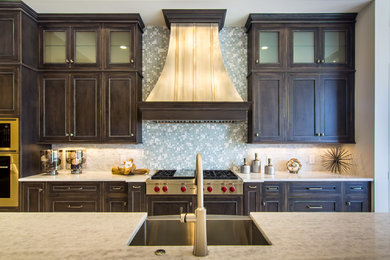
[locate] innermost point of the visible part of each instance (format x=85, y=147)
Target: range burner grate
x=163, y=174
x=219, y=175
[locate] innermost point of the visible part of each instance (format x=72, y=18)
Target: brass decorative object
x=337, y=160
x=294, y=165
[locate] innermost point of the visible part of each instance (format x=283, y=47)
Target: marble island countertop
x=105, y=236
x=64, y=175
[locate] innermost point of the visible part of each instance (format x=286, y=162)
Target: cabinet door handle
x=356, y=188
x=257, y=61
x=190, y=203
x=314, y=207
x=252, y=187
x=322, y=134
x=318, y=61
x=322, y=61
x=136, y=187
x=125, y=203
x=40, y=190
x=75, y=207
x=263, y=203
x=131, y=134
x=66, y=134
x=348, y=203
x=131, y=60
x=71, y=61
x=314, y=188
x=317, y=134
x=71, y=134
x=67, y=61
x=257, y=134
x=272, y=188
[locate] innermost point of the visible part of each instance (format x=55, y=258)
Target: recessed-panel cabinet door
x=9, y=35
x=9, y=91
x=120, y=124
x=85, y=47
x=85, y=107
x=54, y=107
x=54, y=47
x=337, y=107
x=304, y=47
x=33, y=197
x=120, y=47
x=267, y=115
x=304, y=107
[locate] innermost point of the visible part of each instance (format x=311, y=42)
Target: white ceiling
x=237, y=10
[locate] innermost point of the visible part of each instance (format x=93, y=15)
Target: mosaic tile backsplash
x=174, y=146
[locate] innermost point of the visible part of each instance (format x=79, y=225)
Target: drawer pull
x=136, y=187
x=252, y=187
x=348, y=203
x=314, y=188
x=272, y=188
x=4, y=167
x=314, y=207
x=75, y=207
x=116, y=188
x=61, y=188
x=356, y=188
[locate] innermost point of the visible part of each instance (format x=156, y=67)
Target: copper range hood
x=194, y=85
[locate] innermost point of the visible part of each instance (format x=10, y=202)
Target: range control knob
x=165, y=188
x=156, y=189
x=232, y=189
x=183, y=189
x=209, y=189
x=224, y=189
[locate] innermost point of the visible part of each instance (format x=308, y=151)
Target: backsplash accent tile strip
x=174, y=146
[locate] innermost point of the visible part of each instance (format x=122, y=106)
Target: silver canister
x=256, y=165
x=269, y=169
x=245, y=168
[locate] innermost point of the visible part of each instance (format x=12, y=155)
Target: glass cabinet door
x=334, y=47
x=268, y=47
x=85, y=47
x=304, y=44
x=120, y=44
x=54, y=46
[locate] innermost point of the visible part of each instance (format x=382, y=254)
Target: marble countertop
x=86, y=176
x=302, y=176
x=105, y=236
x=252, y=177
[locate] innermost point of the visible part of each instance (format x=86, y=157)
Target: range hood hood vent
x=194, y=84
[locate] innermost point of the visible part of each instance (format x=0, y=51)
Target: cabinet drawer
x=273, y=189
x=115, y=187
x=308, y=189
x=314, y=205
x=74, y=187
x=357, y=188
x=75, y=206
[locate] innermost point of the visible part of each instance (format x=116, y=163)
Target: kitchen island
x=105, y=236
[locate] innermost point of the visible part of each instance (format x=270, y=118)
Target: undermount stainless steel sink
x=221, y=230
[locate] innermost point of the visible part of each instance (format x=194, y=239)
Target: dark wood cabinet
x=70, y=107
x=266, y=120
x=137, y=197
x=324, y=204
x=170, y=205
x=121, y=122
x=357, y=196
x=223, y=205
x=9, y=36
x=115, y=197
x=252, y=197
x=33, y=196
x=9, y=90
x=69, y=45
x=273, y=197
x=321, y=108
x=314, y=53
x=123, y=46
x=74, y=197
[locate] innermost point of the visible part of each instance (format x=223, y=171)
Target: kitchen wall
x=174, y=146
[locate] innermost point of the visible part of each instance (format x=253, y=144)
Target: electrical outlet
x=312, y=159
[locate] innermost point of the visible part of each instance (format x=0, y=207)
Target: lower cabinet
x=314, y=205
x=136, y=196
x=273, y=197
x=74, y=196
x=115, y=197
x=357, y=196
x=170, y=205
x=252, y=197
x=223, y=205
x=33, y=196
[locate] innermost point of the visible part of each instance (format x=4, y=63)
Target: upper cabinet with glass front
x=325, y=46
x=123, y=46
x=306, y=41
x=70, y=46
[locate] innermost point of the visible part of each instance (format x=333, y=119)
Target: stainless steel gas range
x=182, y=182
